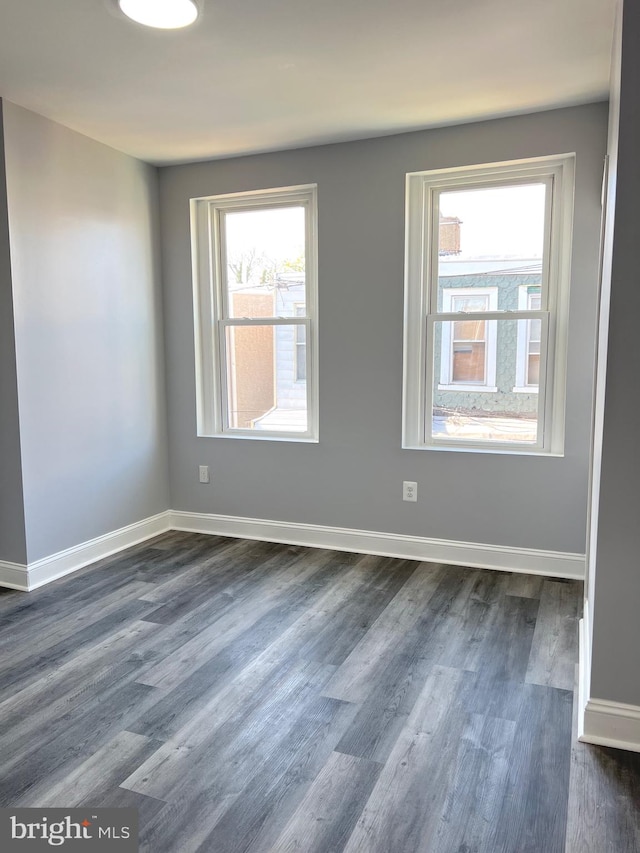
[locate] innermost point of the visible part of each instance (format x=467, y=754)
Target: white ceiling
x=260, y=75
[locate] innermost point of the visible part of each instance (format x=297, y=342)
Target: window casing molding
x=212, y=315
x=421, y=285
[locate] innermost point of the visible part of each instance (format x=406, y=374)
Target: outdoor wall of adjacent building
x=88, y=333
x=251, y=349
x=291, y=387
x=353, y=476
x=505, y=400
x=13, y=546
x=264, y=375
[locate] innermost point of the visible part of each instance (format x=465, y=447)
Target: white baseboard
x=529, y=561
x=601, y=721
x=14, y=576
x=611, y=724
x=48, y=569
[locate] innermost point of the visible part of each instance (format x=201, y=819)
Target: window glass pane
x=490, y=238
x=535, y=301
x=535, y=328
x=265, y=262
x=469, y=303
x=473, y=381
x=468, y=330
x=468, y=363
x=301, y=360
x=263, y=390
x=533, y=369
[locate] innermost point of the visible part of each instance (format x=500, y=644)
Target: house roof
x=489, y=266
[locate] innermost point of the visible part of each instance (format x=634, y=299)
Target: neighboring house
x=485, y=366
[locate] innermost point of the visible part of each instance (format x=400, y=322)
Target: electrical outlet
x=409, y=491
x=204, y=473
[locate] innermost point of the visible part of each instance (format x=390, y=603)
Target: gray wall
x=616, y=626
x=353, y=477
x=13, y=547
x=86, y=293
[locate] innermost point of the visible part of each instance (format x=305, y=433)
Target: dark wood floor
x=247, y=696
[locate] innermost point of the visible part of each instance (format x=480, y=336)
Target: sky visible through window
x=500, y=222
x=263, y=243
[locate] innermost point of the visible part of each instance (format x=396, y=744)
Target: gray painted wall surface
x=608, y=224
x=13, y=547
x=82, y=221
x=353, y=477
x=615, y=674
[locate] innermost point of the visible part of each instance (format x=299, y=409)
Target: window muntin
x=446, y=407
x=255, y=304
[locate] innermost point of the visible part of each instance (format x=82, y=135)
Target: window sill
x=263, y=436
x=524, y=389
x=480, y=389
x=502, y=450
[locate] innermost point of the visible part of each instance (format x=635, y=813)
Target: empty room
x=319, y=518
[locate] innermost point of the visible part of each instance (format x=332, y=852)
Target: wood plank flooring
x=249, y=697
x=604, y=798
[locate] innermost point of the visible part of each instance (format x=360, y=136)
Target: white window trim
x=211, y=320
x=491, y=341
x=522, y=342
x=421, y=284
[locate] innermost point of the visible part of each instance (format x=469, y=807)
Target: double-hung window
x=486, y=306
x=255, y=297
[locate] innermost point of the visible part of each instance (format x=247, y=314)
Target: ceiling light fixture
x=163, y=14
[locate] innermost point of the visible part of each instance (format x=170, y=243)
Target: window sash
x=239, y=322
x=220, y=242
x=542, y=404
x=431, y=216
